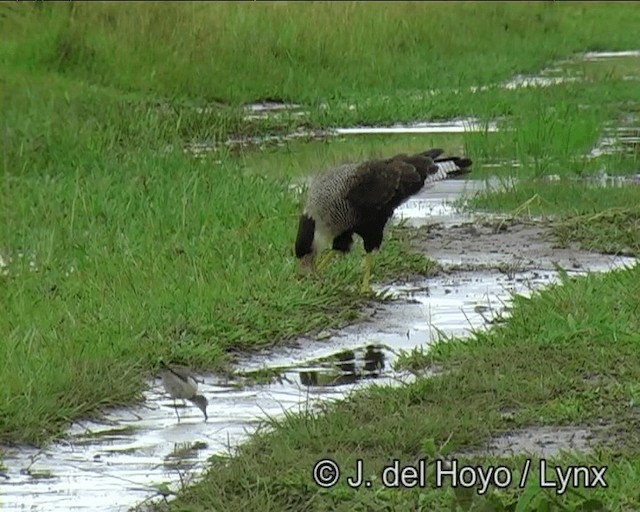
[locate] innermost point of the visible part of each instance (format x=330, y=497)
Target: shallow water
x=610, y=55
x=621, y=139
x=456, y=126
x=114, y=465
x=437, y=203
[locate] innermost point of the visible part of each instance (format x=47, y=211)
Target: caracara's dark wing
x=418, y=159
x=384, y=184
x=376, y=182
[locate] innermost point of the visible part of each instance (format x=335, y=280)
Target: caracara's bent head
x=305, y=246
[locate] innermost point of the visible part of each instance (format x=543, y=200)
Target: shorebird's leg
x=176, y=409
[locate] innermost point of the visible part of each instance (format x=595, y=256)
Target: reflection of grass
x=185, y=450
x=613, y=68
x=121, y=431
x=261, y=376
x=41, y=474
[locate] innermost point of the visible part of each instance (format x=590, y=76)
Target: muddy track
x=505, y=246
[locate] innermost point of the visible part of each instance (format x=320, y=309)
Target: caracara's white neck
x=321, y=238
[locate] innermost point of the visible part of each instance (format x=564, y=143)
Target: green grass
x=567, y=356
x=615, y=230
x=241, y=52
x=125, y=249
x=551, y=130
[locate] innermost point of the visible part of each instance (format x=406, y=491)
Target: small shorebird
x=180, y=384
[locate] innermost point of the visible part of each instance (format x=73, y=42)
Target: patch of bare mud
x=505, y=246
x=538, y=441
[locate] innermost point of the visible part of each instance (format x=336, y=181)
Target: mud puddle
x=540, y=441
x=504, y=246
x=141, y=453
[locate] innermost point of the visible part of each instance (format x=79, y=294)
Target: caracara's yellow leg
x=366, y=286
x=325, y=260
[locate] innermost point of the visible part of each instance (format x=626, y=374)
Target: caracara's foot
x=322, y=264
x=365, y=289
x=307, y=275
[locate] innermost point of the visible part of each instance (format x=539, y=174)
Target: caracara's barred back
x=360, y=198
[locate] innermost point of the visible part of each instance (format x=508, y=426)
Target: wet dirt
x=539, y=441
x=506, y=246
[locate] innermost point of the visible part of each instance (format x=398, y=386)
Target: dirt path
x=512, y=248
x=504, y=246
